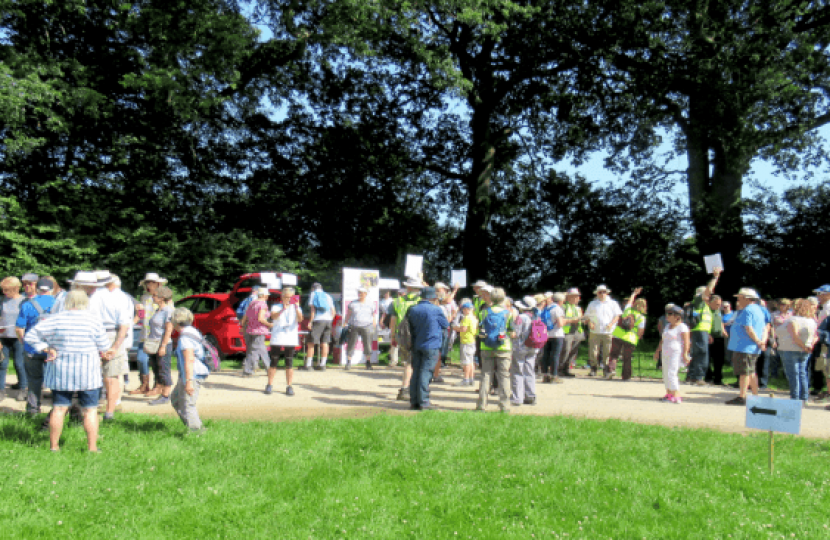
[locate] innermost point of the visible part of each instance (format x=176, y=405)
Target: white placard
x=414, y=266
x=713, y=261
x=289, y=279
x=389, y=284
x=458, y=277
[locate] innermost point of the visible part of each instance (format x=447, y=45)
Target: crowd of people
x=75, y=342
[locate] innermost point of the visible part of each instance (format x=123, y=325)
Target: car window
x=206, y=306
x=187, y=303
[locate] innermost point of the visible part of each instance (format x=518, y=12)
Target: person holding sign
x=701, y=324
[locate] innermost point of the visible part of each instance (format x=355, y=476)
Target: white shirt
x=285, y=332
x=601, y=314
x=825, y=312
x=673, y=340
x=556, y=314
x=115, y=308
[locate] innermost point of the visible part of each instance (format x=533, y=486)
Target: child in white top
x=674, y=344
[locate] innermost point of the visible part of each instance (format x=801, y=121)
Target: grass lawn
x=431, y=475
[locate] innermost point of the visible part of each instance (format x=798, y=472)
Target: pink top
x=253, y=326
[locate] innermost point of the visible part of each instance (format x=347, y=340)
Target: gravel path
x=337, y=393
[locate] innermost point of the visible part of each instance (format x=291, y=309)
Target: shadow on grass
x=22, y=431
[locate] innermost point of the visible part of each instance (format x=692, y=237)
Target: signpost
x=770, y=414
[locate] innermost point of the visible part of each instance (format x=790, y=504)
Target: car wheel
x=215, y=342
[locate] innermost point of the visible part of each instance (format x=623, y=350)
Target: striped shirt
x=78, y=336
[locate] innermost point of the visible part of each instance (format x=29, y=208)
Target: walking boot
x=144, y=388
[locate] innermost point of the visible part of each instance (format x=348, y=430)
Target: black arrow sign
x=758, y=410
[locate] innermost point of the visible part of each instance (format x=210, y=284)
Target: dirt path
x=337, y=393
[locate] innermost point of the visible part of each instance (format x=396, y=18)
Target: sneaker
x=319, y=368
x=109, y=417
x=665, y=399
x=162, y=400
x=368, y=365
x=556, y=380
x=304, y=368
x=609, y=376
x=568, y=374
x=737, y=401
x=403, y=394
x=514, y=404
x=677, y=400
x=289, y=391
x=348, y=366
x=530, y=401
x=545, y=378
x=269, y=390
x=462, y=382
x=438, y=380
x=701, y=382
x=592, y=373
x=21, y=396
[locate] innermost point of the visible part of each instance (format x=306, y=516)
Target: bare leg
x=753, y=383
x=309, y=355
x=407, y=375
x=91, y=428
x=56, y=426
x=113, y=385
x=743, y=382
x=289, y=376
x=272, y=372
x=324, y=353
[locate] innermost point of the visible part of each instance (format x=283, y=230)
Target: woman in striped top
x=74, y=341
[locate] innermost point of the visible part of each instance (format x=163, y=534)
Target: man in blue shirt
x=747, y=339
x=427, y=323
x=31, y=312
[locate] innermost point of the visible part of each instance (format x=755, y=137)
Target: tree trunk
x=715, y=201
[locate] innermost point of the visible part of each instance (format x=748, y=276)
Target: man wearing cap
x=481, y=299
x=602, y=314
x=574, y=335
x=361, y=319
x=29, y=281
x=31, y=312
x=116, y=311
x=700, y=331
x=747, y=339
x=553, y=315
x=321, y=322
x=401, y=307
x=428, y=323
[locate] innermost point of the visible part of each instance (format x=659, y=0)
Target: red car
x=215, y=314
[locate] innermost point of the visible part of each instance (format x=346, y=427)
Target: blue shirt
x=726, y=317
x=739, y=341
x=190, y=338
x=28, y=316
x=427, y=322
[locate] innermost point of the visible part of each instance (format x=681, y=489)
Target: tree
x=734, y=81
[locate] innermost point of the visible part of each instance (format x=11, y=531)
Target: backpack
x=538, y=335
x=495, y=328
x=210, y=358
x=42, y=314
x=320, y=301
x=691, y=318
x=403, y=333
x=626, y=322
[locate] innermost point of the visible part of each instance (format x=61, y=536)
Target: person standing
x=747, y=339
x=361, y=320
x=700, y=331
x=193, y=372
x=523, y=365
x=796, y=336
x=574, y=334
x=674, y=350
x=158, y=345
x=401, y=306
x=495, y=356
x=322, y=315
x=73, y=341
x=446, y=301
x=717, y=343
x=257, y=327
x=285, y=338
x=602, y=314
x=31, y=312
x=818, y=379
x=29, y=285
x=116, y=310
x=554, y=318
x=624, y=341
x=467, y=328
x=147, y=309
x=427, y=323
x=12, y=347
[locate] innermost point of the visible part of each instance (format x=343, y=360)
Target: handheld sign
x=414, y=266
x=458, y=277
x=712, y=261
x=769, y=414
